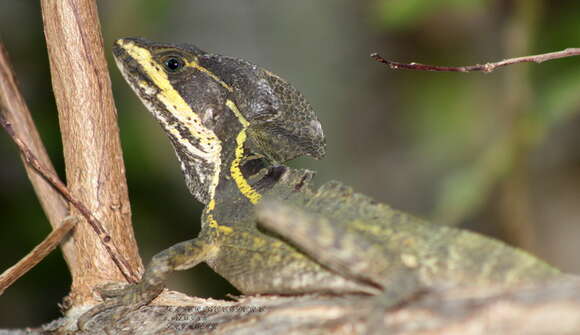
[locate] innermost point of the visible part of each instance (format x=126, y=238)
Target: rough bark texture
x=92, y=151
x=551, y=308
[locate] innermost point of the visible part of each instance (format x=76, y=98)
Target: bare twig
x=486, y=68
x=37, y=254
x=15, y=110
x=49, y=176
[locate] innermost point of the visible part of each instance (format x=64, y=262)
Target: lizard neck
x=241, y=175
x=273, y=182
x=236, y=198
x=230, y=169
x=235, y=160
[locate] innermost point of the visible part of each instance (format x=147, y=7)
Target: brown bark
x=101, y=233
x=88, y=122
x=550, y=308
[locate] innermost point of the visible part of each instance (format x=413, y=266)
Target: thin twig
x=16, y=112
x=486, y=68
x=37, y=254
x=51, y=178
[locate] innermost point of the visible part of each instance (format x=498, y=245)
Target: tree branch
x=548, y=308
x=98, y=228
x=37, y=254
x=90, y=135
x=14, y=109
x=485, y=68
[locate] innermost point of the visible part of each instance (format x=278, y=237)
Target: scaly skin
x=264, y=229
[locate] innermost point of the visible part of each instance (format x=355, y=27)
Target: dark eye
x=173, y=64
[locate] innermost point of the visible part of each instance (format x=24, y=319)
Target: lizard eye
x=173, y=64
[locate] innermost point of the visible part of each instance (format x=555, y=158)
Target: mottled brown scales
x=276, y=234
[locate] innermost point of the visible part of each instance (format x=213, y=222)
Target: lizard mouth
x=133, y=72
x=122, y=57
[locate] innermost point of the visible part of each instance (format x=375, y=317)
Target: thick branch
x=486, y=68
x=92, y=151
x=549, y=308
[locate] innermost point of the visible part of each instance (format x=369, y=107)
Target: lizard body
x=264, y=229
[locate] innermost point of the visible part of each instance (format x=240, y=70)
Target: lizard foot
x=121, y=300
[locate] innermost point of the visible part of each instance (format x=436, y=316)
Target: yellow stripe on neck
x=212, y=222
x=235, y=171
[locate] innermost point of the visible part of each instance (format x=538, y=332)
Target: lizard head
x=220, y=113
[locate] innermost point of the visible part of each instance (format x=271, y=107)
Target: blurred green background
x=495, y=153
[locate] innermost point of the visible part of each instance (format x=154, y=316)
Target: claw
x=90, y=314
x=123, y=300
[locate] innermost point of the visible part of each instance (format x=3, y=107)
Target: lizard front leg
x=180, y=256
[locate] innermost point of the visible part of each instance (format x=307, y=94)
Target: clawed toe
x=115, y=295
x=122, y=300
x=93, y=312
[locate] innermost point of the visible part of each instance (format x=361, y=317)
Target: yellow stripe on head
x=209, y=148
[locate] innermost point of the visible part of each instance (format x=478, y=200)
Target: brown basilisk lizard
x=232, y=125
